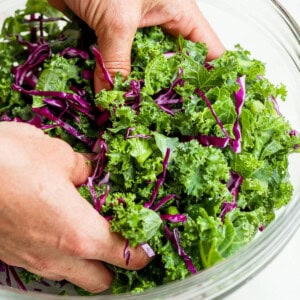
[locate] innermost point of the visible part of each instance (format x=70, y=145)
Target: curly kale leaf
x=132, y=220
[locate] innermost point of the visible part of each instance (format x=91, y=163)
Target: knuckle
x=119, y=21
x=75, y=245
x=118, y=66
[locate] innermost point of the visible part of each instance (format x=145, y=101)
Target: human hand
x=116, y=21
x=46, y=227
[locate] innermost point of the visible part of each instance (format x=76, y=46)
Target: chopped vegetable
x=191, y=157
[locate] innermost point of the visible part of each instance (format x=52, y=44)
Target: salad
x=191, y=156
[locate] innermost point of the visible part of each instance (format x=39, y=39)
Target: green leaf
x=56, y=76
x=163, y=143
x=133, y=221
x=140, y=149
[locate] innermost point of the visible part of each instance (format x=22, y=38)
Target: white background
x=281, y=279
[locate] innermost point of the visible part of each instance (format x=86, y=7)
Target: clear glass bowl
x=268, y=31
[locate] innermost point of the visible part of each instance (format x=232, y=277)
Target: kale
x=168, y=172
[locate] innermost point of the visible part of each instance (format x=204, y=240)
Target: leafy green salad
x=191, y=156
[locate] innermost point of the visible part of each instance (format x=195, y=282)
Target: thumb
x=194, y=26
x=115, y=51
x=82, y=168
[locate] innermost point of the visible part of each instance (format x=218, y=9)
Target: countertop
x=280, y=280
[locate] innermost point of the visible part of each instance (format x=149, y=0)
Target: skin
x=42, y=227
x=46, y=227
x=116, y=21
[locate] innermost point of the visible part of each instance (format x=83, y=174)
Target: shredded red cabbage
x=163, y=201
x=209, y=105
x=178, y=218
x=166, y=100
x=240, y=99
x=208, y=66
x=73, y=99
x=87, y=74
x=174, y=239
x=17, y=279
x=36, y=57
x=35, y=121
x=134, y=94
x=73, y=52
x=183, y=254
x=240, y=96
x=276, y=106
x=100, y=62
x=29, y=45
x=2, y=267
x=208, y=140
x=100, y=147
x=93, y=194
x=160, y=181
x=45, y=112
x=142, y=136
x=149, y=251
x=169, y=54
x=7, y=279
x=233, y=185
x=126, y=253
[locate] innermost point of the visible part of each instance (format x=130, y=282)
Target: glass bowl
x=269, y=32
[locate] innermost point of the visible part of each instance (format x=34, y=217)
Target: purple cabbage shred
x=73, y=99
x=142, y=136
x=240, y=96
x=163, y=201
x=160, y=180
x=149, y=251
x=167, y=100
x=276, y=106
x=126, y=253
x=133, y=96
x=45, y=112
x=100, y=62
x=233, y=185
x=24, y=73
x=73, y=52
x=209, y=105
x=17, y=279
x=173, y=237
x=178, y=218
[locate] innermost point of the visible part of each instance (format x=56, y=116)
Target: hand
x=46, y=227
x=116, y=21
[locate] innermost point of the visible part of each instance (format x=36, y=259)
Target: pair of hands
x=46, y=227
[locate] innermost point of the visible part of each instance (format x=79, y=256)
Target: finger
x=118, y=252
x=114, y=249
x=82, y=168
x=197, y=29
x=95, y=241
x=90, y=275
x=188, y=21
x=89, y=234
x=115, y=38
x=116, y=59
